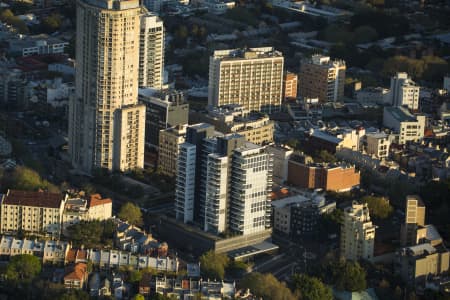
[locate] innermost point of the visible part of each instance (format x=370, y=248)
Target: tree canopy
x=213, y=265
x=379, y=207
x=92, y=234
x=310, y=288
x=23, y=267
x=342, y=274
x=23, y=178
x=131, y=213
x=266, y=286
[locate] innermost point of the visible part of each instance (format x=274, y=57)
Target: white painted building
x=281, y=156
x=408, y=127
x=216, y=193
x=251, y=185
x=357, y=233
x=185, y=183
x=151, y=52
x=378, y=144
x=404, y=91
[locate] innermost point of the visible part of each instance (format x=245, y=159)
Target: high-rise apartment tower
x=106, y=123
x=251, y=77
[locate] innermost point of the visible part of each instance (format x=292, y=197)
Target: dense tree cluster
x=310, y=288
x=213, y=265
x=344, y=275
x=8, y=17
x=379, y=207
x=266, y=286
x=23, y=178
x=92, y=234
x=23, y=267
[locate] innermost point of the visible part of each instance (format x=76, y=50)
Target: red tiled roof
x=81, y=254
x=96, y=199
x=77, y=272
x=38, y=199
x=70, y=257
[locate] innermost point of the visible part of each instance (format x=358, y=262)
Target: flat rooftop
x=400, y=114
x=249, y=251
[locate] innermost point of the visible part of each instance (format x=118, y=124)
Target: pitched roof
x=96, y=199
x=77, y=272
x=38, y=199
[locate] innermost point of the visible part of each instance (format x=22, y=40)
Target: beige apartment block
x=32, y=212
x=323, y=78
x=251, y=77
x=414, y=219
x=106, y=93
x=169, y=146
x=357, y=233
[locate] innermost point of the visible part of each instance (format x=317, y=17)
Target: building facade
x=378, y=144
x=229, y=185
x=404, y=92
x=185, y=183
x=251, y=185
x=408, y=127
x=419, y=262
x=256, y=127
x=151, y=56
x=323, y=78
x=330, y=177
x=170, y=140
x=357, y=233
x=251, y=77
x=166, y=108
x=290, y=83
x=414, y=219
x=105, y=120
x=281, y=156
x=32, y=212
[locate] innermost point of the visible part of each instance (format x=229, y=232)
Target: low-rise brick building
x=306, y=174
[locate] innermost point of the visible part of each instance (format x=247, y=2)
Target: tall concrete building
x=414, y=218
x=106, y=123
x=231, y=191
x=170, y=140
x=185, y=183
x=251, y=77
x=151, y=52
x=251, y=185
x=357, y=233
x=404, y=92
x=165, y=108
x=323, y=78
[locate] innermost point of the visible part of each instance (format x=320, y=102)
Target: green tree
x=6, y=15
x=379, y=207
x=325, y=156
x=266, y=286
x=23, y=267
x=364, y=34
x=24, y=178
x=52, y=23
x=91, y=234
x=138, y=297
x=131, y=213
x=349, y=276
x=74, y=295
x=213, y=265
x=310, y=288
